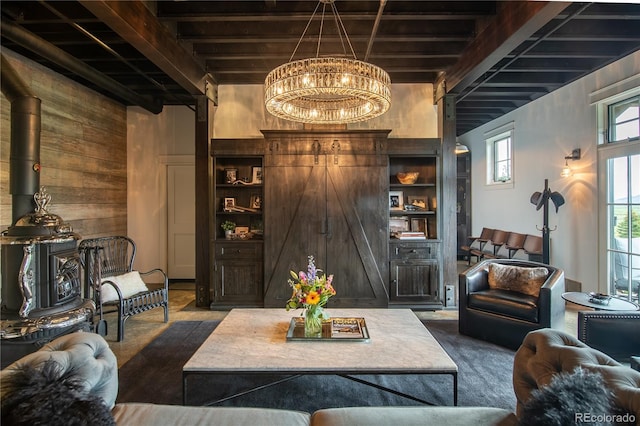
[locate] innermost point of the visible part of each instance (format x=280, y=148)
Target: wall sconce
x=566, y=170
x=461, y=149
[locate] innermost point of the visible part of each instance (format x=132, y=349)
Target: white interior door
x=181, y=203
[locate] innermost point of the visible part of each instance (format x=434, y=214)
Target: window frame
x=503, y=133
x=612, y=125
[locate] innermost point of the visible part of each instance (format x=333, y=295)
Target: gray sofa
x=88, y=356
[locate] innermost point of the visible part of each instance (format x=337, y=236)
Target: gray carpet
x=155, y=375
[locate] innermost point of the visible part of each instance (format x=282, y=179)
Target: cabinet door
x=238, y=282
x=332, y=207
x=294, y=218
x=238, y=274
x=414, y=280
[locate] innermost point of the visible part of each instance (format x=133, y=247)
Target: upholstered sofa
x=88, y=356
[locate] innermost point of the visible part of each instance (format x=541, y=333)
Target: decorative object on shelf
x=256, y=175
x=419, y=203
x=328, y=89
x=311, y=291
x=407, y=178
x=229, y=204
x=396, y=200
x=228, y=227
x=256, y=201
x=230, y=175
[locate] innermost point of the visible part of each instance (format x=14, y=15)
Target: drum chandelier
x=327, y=90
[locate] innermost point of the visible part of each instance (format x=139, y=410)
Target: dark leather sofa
x=505, y=317
x=615, y=333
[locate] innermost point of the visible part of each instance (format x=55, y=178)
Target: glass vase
x=312, y=323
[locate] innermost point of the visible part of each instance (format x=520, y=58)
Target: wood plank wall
x=83, y=152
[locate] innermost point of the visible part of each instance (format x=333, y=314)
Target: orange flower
x=312, y=298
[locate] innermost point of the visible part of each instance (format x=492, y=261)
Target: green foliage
x=623, y=226
x=227, y=225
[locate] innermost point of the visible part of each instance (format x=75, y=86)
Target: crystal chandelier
x=327, y=90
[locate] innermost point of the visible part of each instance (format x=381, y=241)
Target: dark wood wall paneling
x=83, y=152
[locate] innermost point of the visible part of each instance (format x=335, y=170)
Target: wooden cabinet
x=238, y=274
x=326, y=200
x=414, y=225
x=326, y=194
x=414, y=273
x=237, y=197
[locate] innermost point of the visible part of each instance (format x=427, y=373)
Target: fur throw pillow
x=517, y=278
x=41, y=395
x=568, y=399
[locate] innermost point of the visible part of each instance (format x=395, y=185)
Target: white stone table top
x=254, y=340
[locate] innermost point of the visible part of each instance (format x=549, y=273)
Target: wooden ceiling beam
x=139, y=27
x=514, y=23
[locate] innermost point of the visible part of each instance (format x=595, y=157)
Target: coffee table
x=614, y=304
x=253, y=342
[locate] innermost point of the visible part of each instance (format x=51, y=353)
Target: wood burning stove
x=41, y=290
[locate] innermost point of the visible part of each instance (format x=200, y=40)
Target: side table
x=614, y=304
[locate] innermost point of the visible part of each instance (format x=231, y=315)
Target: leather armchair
x=505, y=317
x=615, y=333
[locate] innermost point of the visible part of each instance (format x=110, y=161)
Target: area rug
x=484, y=376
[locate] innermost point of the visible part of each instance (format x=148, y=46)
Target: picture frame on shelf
x=418, y=202
x=256, y=201
x=256, y=174
x=396, y=200
x=419, y=225
x=230, y=175
x=229, y=204
x=398, y=224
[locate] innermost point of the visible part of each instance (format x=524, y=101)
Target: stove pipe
x=24, y=177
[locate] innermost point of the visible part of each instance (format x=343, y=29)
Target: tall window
x=619, y=176
x=499, y=156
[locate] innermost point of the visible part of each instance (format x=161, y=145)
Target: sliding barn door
x=327, y=198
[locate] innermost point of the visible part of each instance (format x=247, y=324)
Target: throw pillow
x=43, y=395
x=517, y=278
x=129, y=284
x=568, y=399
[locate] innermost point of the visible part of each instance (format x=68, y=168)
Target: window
x=500, y=156
x=619, y=195
x=624, y=119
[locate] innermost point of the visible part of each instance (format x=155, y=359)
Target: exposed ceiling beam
x=41, y=47
x=514, y=24
x=139, y=27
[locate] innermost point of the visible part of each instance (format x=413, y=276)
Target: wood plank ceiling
x=495, y=56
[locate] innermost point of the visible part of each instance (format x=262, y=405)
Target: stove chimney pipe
x=24, y=172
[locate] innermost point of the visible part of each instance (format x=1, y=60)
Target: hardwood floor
x=143, y=328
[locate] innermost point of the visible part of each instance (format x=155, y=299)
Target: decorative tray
x=599, y=298
x=338, y=329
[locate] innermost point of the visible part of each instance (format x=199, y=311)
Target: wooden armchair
x=111, y=281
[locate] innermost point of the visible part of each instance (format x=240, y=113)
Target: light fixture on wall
x=566, y=170
x=329, y=89
x=461, y=149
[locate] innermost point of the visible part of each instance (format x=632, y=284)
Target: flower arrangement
x=311, y=291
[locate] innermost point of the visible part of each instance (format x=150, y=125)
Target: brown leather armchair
x=505, y=317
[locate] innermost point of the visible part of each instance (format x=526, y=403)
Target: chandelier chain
x=304, y=32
